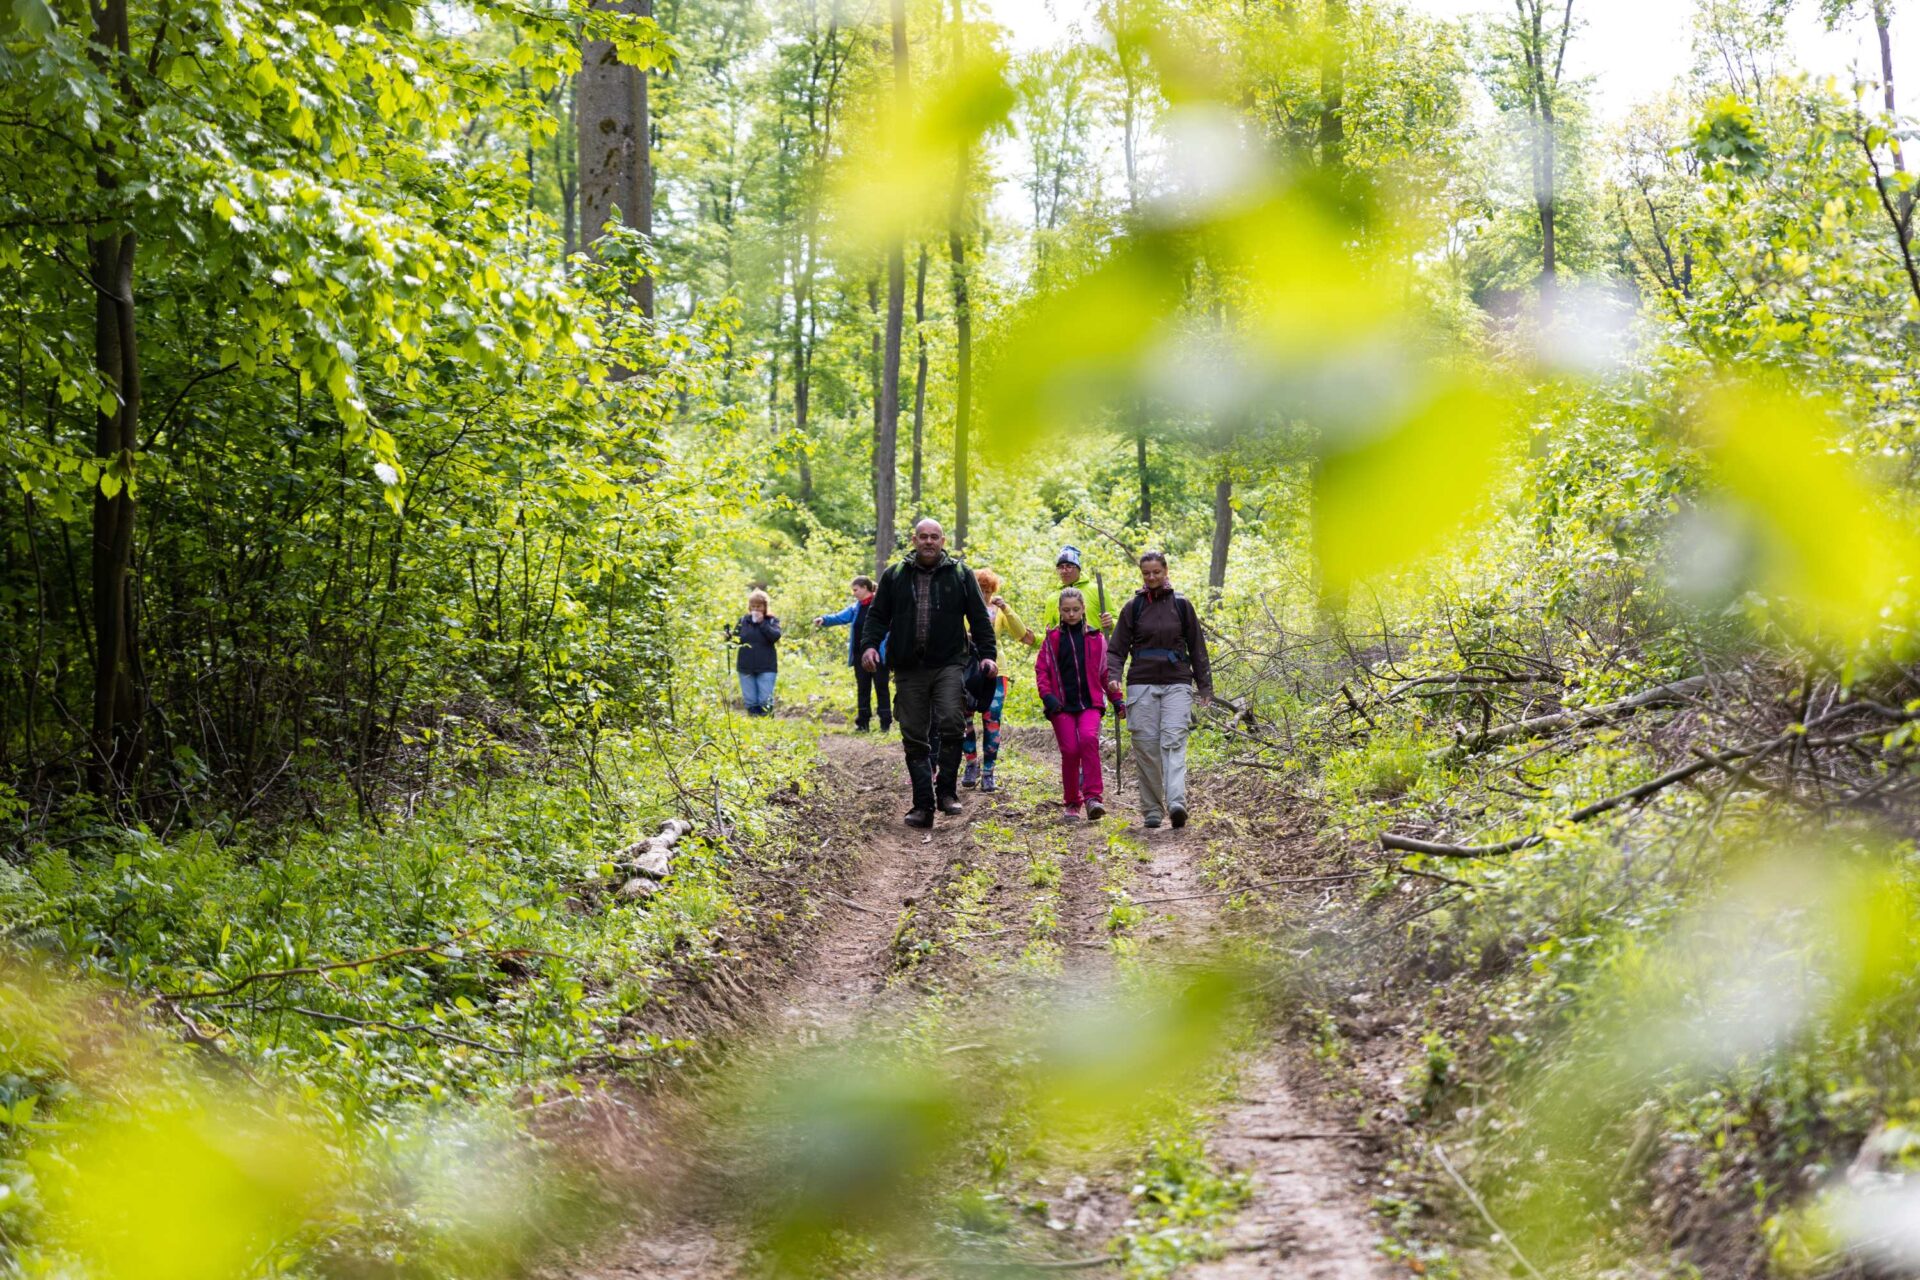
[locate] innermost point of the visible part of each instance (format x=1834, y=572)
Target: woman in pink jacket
x=1068, y=671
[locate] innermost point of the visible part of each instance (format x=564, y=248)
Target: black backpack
x=979, y=685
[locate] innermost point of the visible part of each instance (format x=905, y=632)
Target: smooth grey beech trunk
x=615, y=152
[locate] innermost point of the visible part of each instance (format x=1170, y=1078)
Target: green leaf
x=1831, y=544
x=36, y=18
x=1402, y=488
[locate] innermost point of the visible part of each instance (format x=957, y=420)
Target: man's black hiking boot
x=920, y=818
x=951, y=806
x=1179, y=815
x=921, y=773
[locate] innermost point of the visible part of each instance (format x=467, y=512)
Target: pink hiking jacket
x=1046, y=667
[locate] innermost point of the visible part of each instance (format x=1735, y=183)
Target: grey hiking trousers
x=1158, y=716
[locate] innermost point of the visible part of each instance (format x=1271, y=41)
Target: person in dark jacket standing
x=870, y=686
x=757, y=661
x=1159, y=633
x=931, y=614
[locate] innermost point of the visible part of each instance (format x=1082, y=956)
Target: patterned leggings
x=990, y=722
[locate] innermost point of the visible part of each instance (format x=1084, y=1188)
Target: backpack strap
x=1181, y=606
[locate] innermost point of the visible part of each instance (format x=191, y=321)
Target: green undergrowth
x=1181, y=1198
x=447, y=976
x=1694, y=1009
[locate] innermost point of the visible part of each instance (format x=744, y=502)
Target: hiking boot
x=1071, y=813
x=1095, y=811
x=971, y=778
x=920, y=818
x=1179, y=816
x=986, y=780
x=920, y=771
x=951, y=806
x=1150, y=823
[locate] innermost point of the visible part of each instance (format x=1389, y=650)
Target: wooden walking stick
x=1120, y=708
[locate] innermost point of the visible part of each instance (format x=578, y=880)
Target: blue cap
x=1068, y=555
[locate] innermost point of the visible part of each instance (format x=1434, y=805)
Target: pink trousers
x=1078, y=733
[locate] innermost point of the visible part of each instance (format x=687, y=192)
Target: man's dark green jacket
x=957, y=608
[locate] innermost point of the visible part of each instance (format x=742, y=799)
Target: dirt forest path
x=1012, y=893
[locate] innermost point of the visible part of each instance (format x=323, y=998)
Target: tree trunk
x=614, y=119
x=803, y=337
x=1545, y=199
x=640, y=177
x=110, y=258
x=876, y=348
x=919, y=381
x=1146, y=488
x=1881, y=25
x=962, y=311
x=886, y=469
x=567, y=167
x=1222, y=533
x=1333, y=86
x=802, y=402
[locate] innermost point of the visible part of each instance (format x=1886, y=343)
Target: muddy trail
x=1013, y=896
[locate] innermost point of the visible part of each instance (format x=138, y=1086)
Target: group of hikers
x=940, y=631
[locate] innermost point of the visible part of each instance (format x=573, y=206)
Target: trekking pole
x=1120, y=708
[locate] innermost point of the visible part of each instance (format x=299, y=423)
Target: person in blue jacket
x=757, y=661
x=871, y=685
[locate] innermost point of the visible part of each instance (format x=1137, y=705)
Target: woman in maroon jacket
x=1159, y=647
x=1069, y=671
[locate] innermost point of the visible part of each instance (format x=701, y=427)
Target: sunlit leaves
x=1725, y=137
x=1834, y=548
x=1325, y=333
x=903, y=181
x=184, y=1191
x=857, y=1142
x=1391, y=492
x=1802, y=944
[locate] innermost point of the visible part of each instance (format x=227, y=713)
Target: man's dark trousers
x=873, y=685
x=931, y=704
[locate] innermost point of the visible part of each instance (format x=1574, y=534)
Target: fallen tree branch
x=413, y=1028
x=845, y=901
x=1018, y=1265
x=1756, y=751
x=1486, y=1215
x=1329, y=1136
x=1433, y=875
x=1465, y=680
x=307, y=971
x=1633, y=795
x=1583, y=717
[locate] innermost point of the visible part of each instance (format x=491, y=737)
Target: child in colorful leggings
x=1006, y=624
